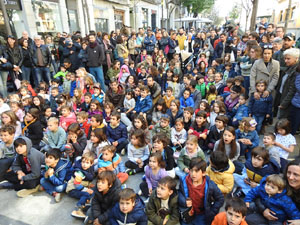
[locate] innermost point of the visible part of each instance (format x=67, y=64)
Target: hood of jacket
x=229, y=169
x=28, y=143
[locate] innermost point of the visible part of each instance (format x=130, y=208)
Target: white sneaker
x=123, y=152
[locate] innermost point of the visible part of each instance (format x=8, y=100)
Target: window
x=293, y=14
x=145, y=17
x=119, y=19
x=73, y=20
x=101, y=24
x=281, y=16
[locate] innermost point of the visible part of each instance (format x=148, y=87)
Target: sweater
x=184, y=158
x=137, y=153
x=118, y=134
x=57, y=139
x=221, y=219
x=152, y=179
x=214, y=134
x=180, y=136
x=228, y=148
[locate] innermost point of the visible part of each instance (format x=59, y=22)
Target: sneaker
x=57, y=196
x=41, y=188
x=25, y=192
x=6, y=185
x=238, y=193
x=123, y=152
x=140, y=192
x=78, y=213
x=87, y=220
x=131, y=172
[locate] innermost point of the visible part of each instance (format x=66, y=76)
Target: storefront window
x=47, y=16
x=119, y=19
x=101, y=24
x=145, y=17
x=73, y=20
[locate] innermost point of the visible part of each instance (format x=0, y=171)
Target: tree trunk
x=247, y=17
x=254, y=13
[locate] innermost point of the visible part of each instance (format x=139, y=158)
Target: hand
x=150, y=191
x=256, y=95
x=247, y=181
x=266, y=94
x=139, y=161
x=4, y=60
x=115, y=143
x=248, y=204
x=20, y=172
x=90, y=191
x=267, y=116
x=234, y=119
x=294, y=222
x=280, y=107
x=189, y=202
x=267, y=214
x=96, y=222
x=190, y=131
x=165, y=220
x=50, y=172
x=239, y=52
x=74, y=138
x=253, y=184
x=133, y=111
x=20, y=177
x=186, y=170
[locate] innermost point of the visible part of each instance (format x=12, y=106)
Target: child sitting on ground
x=216, y=131
x=269, y=144
x=54, y=175
x=199, y=198
x=186, y=100
x=235, y=213
x=78, y=185
x=153, y=173
x=169, y=97
x=240, y=111
x=272, y=190
x=56, y=135
x=129, y=210
x=221, y=171
x=178, y=134
x=82, y=119
x=188, y=117
x=77, y=139
x=232, y=99
x=163, y=126
x=96, y=122
x=67, y=117
x=109, y=160
x=162, y=207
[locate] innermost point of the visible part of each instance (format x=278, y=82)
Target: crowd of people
x=185, y=106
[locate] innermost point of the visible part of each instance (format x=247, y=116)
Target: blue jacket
x=89, y=173
x=213, y=198
x=240, y=112
x=149, y=43
x=189, y=102
x=60, y=172
x=219, y=50
x=251, y=135
x=262, y=106
x=136, y=216
x=116, y=165
x=118, y=134
x=143, y=106
x=172, y=119
x=281, y=204
x=296, y=98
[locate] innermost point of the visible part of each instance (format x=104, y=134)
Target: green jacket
x=111, y=73
x=184, y=160
x=154, y=206
x=202, y=89
x=158, y=129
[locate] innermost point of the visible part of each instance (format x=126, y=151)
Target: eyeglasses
x=268, y=46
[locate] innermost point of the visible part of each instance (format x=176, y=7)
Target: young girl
x=153, y=173
x=67, y=117
x=139, y=122
x=211, y=94
x=191, y=150
x=94, y=108
x=230, y=146
x=38, y=102
x=260, y=108
x=108, y=109
x=23, y=91
x=218, y=108
x=247, y=136
x=129, y=104
x=204, y=106
x=124, y=73
x=32, y=127
x=138, y=153
x=10, y=118
x=199, y=128
x=159, y=109
x=178, y=134
x=175, y=85
x=98, y=93
x=76, y=137
x=78, y=99
x=174, y=111
x=285, y=142
x=16, y=108
x=160, y=144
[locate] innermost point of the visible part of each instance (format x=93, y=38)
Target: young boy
x=219, y=83
x=272, y=194
x=169, y=97
x=78, y=185
x=240, y=110
x=26, y=168
x=232, y=99
x=187, y=117
x=163, y=127
x=117, y=133
x=82, y=119
x=85, y=106
x=98, y=93
x=259, y=166
x=105, y=198
x=67, y=117
x=216, y=131
x=229, y=84
x=54, y=175
x=221, y=171
x=238, y=81
x=199, y=198
x=201, y=86
x=53, y=96
x=235, y=213
x=67, y=83
x=56, y=135
x=96, y=122
x=228, y=72
x=162, y=207
x=7, y=150
x=269, y=143
x=186, y=100
x=143, y=102
x=129, y=209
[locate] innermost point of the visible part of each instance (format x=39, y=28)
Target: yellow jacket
x=224, y=180
x=181, y=40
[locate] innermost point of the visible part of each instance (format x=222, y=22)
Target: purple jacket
x=151, y=179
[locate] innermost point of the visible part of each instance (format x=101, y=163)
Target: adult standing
x=279, y=32
x=71, y=51
x=25, y=36
x=195, y=94
x=295, y=107
x=172, y=43
x=220, y=48
x=163, y=42
x=41, y=61
x=121, y=49
x=95, y=60
x=150, y=42
x=5, y=65
x=266, y=69
x=108, y=51
x=132, y=47
x=53, y=50
x=181, y=39
x=286, y=89
x=140, y=37
x=113, y=38
x=27, y=60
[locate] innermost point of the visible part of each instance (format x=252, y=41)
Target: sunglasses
x=268, y=47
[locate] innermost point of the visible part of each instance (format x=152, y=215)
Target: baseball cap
x=290, y=36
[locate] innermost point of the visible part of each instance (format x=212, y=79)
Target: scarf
x=108, y=59
x=27, y=125
x=93, y=44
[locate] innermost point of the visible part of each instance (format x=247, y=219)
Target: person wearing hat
x=71, y=51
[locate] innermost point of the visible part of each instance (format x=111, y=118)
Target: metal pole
x=6, y=20
x=162, y=14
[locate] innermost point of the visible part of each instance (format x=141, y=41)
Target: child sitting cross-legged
x=153, y=173
x=54, y=175
x=240, y=110
x=162, y=207
x=67, y=117
x=186, y=100
x=216, y=131
x=259, y=166
x=199, y=198
x=82, y=119
x=273, y=196
x=129, y=210
x=235, y=213
x=163, y=126
x=78, y=185
x=111, y=161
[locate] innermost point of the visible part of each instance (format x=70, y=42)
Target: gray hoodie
x=35, y=159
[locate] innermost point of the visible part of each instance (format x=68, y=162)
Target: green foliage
x=235, y=12
x=197, y=6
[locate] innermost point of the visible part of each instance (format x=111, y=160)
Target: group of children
x=203, y=131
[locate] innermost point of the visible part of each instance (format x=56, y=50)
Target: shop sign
x=13, y=4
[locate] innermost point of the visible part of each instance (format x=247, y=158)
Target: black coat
x=45, y=53
x=95, y=55
x=35, y=133
x=15, y=55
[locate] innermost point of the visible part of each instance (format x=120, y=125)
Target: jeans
x=98, y=74
x=26, y=72
x=41, y=73
x=257, y=218
x=245, y=151
x=247, y=83
x=259, y=119
x=50, y=188
x=3, y=83
x=295, y=119
x=199, y=220
x=81, y=195
x=5, y=163
x=239, y=181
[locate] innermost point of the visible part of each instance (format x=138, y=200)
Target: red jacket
x=65, y=122
x=85, y=127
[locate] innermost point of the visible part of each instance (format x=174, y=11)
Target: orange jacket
x=221, y=219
